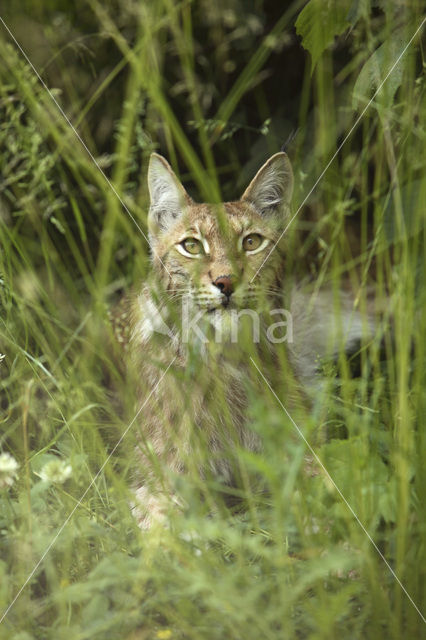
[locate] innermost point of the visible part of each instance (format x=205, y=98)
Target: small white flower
x=8, y=470
x=56, y=471
x=2, y=357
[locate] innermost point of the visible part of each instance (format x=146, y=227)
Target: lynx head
x=211, y=252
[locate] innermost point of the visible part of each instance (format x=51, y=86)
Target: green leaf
x=318, y=24
x=375, y=70
x=412, y=194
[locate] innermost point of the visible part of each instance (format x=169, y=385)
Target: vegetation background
x=217, y=88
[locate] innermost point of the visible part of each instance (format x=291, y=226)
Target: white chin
x=221, y=319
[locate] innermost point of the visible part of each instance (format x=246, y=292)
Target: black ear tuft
x=289, y=140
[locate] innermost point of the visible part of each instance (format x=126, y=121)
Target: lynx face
x=211, y=253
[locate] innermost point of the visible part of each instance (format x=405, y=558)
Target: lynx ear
x=168, y=197
x=271, y=189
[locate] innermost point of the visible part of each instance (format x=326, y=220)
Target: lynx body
x=214, y=266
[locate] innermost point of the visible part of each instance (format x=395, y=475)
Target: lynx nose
x=224, y=283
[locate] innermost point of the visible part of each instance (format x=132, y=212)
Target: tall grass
x=295, y=563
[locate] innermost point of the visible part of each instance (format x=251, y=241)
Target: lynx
x=217, y=274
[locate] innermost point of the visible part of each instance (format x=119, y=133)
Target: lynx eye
x=191, y=247
x=254, y=242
